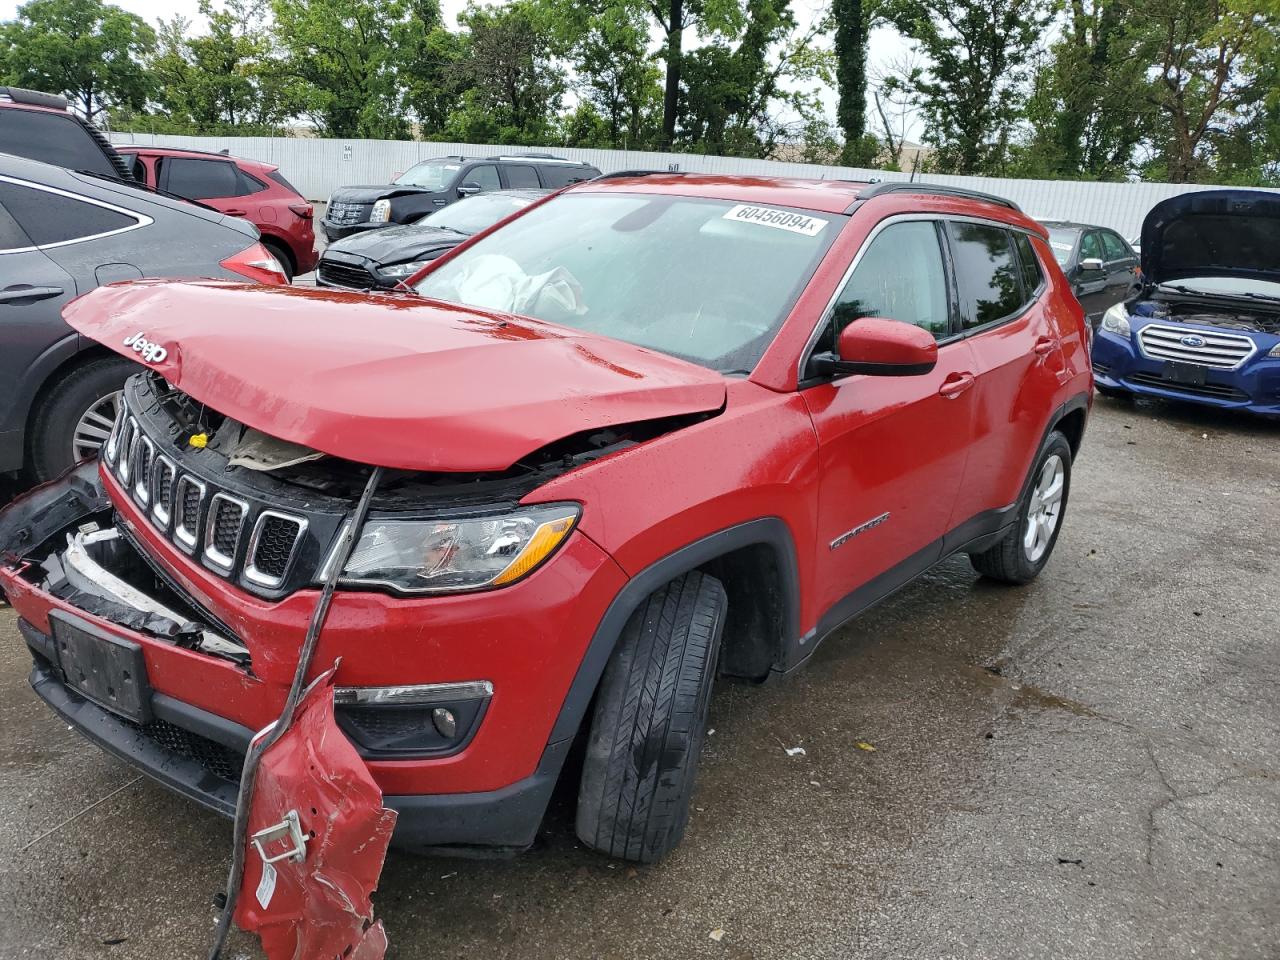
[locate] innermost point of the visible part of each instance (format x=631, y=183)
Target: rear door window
x=12, y=236
x=556, y=175
x=519, y=176
x=989, y=276
x=1091, y=247
x=52, y=218
x=199, y=179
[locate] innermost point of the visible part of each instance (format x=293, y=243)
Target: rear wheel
x=1022, y=553
x=281, y=257
x=75, y=416
x=650, y=720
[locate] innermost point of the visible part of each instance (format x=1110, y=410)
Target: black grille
x=1217, y=391
x=164, y=486
x=346, y=275
x=226, y=527
x=221, y=761
x=275, y=544
x=190, y=506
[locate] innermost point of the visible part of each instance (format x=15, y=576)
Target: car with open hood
x=381, y=259
x=654, y=430
x=1205, y=326
x=432, y=184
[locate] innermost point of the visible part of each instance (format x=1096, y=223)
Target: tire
x=60, y=409
x=1013, y=559
x=650, y=721
x=281, y=256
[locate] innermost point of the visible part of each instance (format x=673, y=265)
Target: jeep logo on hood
x=149, y=351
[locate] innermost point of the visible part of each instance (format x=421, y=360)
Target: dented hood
x=390, y=380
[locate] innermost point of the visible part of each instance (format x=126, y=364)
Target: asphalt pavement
x=1087, y=767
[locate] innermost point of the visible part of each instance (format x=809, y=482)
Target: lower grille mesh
x=220, y=760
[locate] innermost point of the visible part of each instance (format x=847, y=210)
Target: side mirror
x=468, y=188
x=1091, y=265
x=876, y=347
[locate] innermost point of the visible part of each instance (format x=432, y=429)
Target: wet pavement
x=1087, y=767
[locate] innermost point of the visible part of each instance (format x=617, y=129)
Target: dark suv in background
x=39, y=126
x=427, y=186
x=1102, y=267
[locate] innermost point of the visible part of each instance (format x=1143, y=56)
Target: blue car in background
x=1205, y=325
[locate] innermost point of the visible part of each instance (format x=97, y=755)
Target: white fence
x=316, y=167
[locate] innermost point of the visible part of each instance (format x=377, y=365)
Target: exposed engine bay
x=1214, y=311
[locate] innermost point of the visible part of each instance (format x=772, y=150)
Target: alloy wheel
x=1045, y=509
x=94, y=426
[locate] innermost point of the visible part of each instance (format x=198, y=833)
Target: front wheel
x=75, y=416
x=1022, y=553
x=650, y=720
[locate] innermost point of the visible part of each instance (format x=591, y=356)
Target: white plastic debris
x=717, y=934
x=794, y=751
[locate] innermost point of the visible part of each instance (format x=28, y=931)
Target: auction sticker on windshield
x=778, y=219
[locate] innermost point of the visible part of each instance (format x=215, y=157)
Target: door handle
x=1044, y=346
x=24, y=291
x=235, y=213
x=955, y=384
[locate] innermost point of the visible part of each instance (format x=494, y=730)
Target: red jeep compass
x=649, y=431
x=251, y=189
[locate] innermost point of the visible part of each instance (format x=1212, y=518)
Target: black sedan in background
x=1102, y=267
x=379, y=259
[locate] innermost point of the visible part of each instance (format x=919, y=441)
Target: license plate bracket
x=101, y=667
x=1187, y=374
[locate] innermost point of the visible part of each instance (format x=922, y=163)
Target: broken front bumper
x=204, y=700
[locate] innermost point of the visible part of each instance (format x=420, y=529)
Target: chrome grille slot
x=162, y=476
x=188, y=495
x=142, y=470
x=222, y=533
x=1219, y=351
x=272, y=545
x=113, y=441
x=128, y=438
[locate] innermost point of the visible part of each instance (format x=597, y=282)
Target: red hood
x=389, y=380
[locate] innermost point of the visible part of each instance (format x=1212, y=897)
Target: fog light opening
x=445, y=722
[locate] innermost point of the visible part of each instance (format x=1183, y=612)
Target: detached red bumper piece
x=318, y=835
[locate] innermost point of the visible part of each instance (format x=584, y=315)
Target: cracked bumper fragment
x=321, y=836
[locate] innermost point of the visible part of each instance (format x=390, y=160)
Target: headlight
x=458, y=554
x=1275, y=351
x=381, y=211
x=1116, y=320
x=399, y=270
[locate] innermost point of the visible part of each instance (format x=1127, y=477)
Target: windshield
x=1062, y=242
x=1231, y=286
x=432, y=174
x=476, y=213
x=704, y=280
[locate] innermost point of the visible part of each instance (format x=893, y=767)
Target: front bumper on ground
x=527, y=639
x=1119, y=364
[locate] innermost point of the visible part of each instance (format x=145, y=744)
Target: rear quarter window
x=989, y=276
x=1032, y=276
x=556, y=175
x=49, y=218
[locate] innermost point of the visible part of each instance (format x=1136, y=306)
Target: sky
x=885, y=45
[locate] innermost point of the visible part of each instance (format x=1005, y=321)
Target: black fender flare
x=770, y=531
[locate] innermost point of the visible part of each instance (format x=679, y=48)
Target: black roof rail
x=642, y=173
x=937, y=189
x=33, y=98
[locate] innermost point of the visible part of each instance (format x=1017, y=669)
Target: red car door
x=892, y=450
x=1017, y=350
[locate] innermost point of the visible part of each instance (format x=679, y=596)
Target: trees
x=91, y=51
x=971, y=93
x=345, y=57
x=852, y=25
